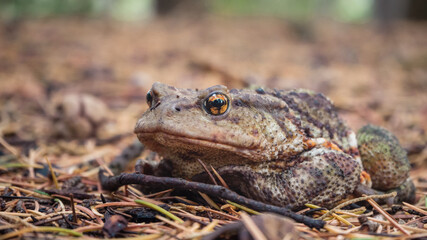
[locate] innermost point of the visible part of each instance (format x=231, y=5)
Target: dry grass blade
x=65, y=198
x=209, y=201
x=224, y=184
x=174, y=224
x=143, y=237
x=35, y=193
x=15, y=219
x=9, y=226
x=418, y=236
x=9, y=147
x=202, y=208
x=388, y=217
x=41, y=229
x=207, y=171
x=246, y=209
x=341, y=219
x=52, y=173
x=160, y=210
x=252, y=227
x=90, y=213
x=417, y=220
x=210, y=226
x=365, y=198
x=14, y=182
x=415, y=208
x=337, y=230
x=154, y=195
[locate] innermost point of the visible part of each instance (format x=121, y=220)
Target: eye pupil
x=216, y=104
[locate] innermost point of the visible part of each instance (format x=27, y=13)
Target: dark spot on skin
x=280, y=123
x=234, y=120
x=194, y=153
x=60, y=108
x=234, y=91
x=315, y=172
x=178, y=109
x=291, y=163
x=255, y=132
x=260, y=91
x=294, y=120
x=338, y=145
x=304, y=96
x=330, y=130
x=307, y=132
x=262, y=116
x=353, y=152
x=177, y=96
x=238, y=103
x=188, y=157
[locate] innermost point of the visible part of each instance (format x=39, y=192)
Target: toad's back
x=312, y=114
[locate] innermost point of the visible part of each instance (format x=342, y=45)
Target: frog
x=281, y=147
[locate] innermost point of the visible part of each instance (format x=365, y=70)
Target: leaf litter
x=54, y=142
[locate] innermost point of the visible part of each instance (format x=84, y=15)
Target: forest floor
x=373, y=73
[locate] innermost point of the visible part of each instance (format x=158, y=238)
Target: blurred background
x=369, y=57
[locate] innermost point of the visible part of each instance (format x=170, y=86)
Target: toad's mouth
x=174, y=140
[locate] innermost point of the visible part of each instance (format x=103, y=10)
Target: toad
x=283, y=147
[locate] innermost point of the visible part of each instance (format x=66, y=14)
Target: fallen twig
x=113, y=183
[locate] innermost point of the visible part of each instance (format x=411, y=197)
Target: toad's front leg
x=162, y=168
x=320, y=176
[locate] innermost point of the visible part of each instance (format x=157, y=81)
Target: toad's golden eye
x=216, y=104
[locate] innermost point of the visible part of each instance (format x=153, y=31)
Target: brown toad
x=281, y=147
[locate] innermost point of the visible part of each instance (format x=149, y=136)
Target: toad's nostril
x=178, y=109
